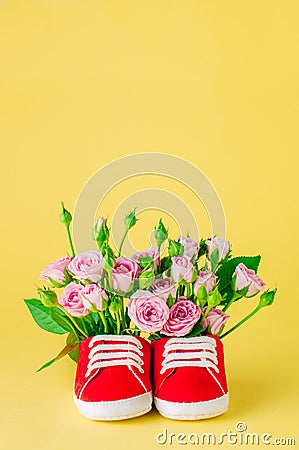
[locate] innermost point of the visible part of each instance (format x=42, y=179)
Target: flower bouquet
x=140, y=327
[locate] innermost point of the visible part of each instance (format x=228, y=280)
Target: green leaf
x=170, y=301
x=74, y=354
x=165, y=264
x=214, y=258
x=145, y=262
x=55, y=283
x=61, y=319
x=175, y=248
x=226, y=271
x=154, y=337
x=65, y=351
x=203, y=249
x=196, y=330
x=91, y=324
x=128, y=318
x=42, y=316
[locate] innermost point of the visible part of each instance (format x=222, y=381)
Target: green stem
x=111, y=320
x=188, y=291
x=103, y=319
x=181, y=290
x=117, y=322
x=242, y=321
x=122, y=312
x=122, y=242
x=231, y=301
x=110, y=282
x=129, y=329
x=70, y=239
x=73, y=321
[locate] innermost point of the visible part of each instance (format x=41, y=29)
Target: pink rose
x=190, y=246
x=87, y=266
x=55, y=270
x=215, y=320
x=163, y=288
x=181, y=267
x=183, y=316
x=222, y=245
x=123, y=273
x=152, y=252
x=247, y=277
x=148, y=311
x=71, y=300
x=92, y=294
x=205, y=278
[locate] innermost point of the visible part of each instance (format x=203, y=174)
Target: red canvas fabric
x=187, y=384
x=111, y=383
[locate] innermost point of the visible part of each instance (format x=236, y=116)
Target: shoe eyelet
x=141, y=370
x=141, y=363
x=141, y=354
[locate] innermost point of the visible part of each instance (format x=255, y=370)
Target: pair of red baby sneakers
x=118, y=376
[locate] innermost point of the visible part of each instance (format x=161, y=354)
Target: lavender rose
x=181, y=267
x=163, y=288
x=152, y=252
x=71, y=300
x=190, y=246
x=215, y=319
x=183, y=316
x=247, y=277
x=148, y=311
x=205, y=278
x=94, y=295
x=87, y=266
x=222, y=245
x=55, y=270
x=123, y=273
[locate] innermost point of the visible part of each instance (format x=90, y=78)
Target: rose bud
x=100, y=231
x=65, y=216
x=267, y=298
x=130, y=219
x=48, y=297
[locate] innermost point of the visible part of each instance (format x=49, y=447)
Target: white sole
x=192, y=411
x=116, y=410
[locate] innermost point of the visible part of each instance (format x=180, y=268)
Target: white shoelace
x=187, y=352
x=126, y=351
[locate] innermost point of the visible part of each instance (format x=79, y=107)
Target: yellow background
x=85, y=82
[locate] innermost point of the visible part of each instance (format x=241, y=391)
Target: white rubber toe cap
x=192, y=411
x=116, y=410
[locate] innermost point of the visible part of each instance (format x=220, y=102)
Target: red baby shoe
x=189, y=377
x=113, y=377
